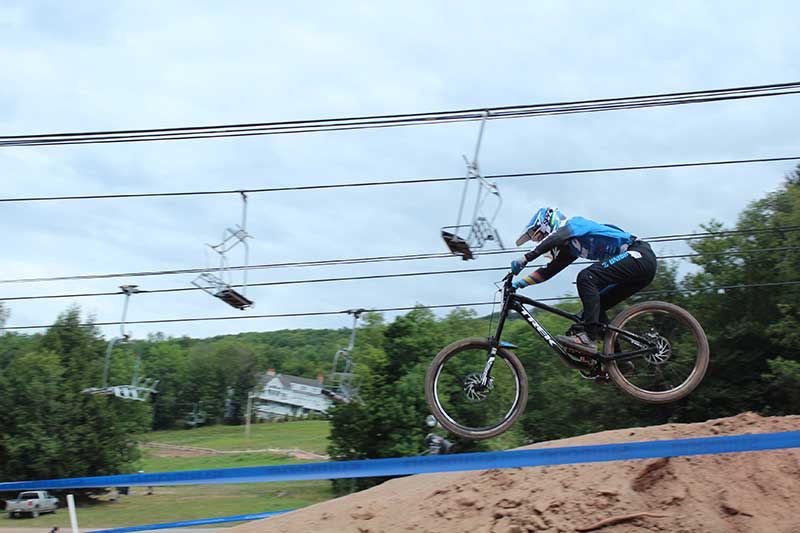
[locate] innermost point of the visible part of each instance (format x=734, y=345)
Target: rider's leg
x=590, y=282
x=617, y=293
x=640, y=267
x=640, y=278
x=605, y=284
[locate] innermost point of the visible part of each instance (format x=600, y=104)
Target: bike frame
x=514, y=301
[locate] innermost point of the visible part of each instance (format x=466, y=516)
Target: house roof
x=287, y=379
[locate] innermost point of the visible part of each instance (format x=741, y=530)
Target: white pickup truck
x=32, y=502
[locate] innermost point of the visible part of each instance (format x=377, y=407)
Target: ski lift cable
x=742, y=89
x=379, y=259
x=376, y=121
x=281, y=130
x=516, y=175
x=407, y=308
x=388, y=276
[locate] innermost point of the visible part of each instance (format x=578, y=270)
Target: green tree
x=783, y=394
x=48, y=426
x=389, y=418
x=166, y=360
x=749, y=327
x=29, y=411
x=411, y=338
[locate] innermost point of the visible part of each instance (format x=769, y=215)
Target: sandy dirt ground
x=89, y=530
x=751, y=492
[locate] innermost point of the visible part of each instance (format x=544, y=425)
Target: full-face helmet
x=544, y=222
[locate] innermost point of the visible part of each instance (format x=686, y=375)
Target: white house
x=283, y=395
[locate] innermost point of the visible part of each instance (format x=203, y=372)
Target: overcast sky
x=83, y=66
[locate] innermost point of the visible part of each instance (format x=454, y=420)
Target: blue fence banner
x=431, y=463
x=189, y=523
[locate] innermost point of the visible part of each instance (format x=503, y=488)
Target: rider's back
x=595, y=241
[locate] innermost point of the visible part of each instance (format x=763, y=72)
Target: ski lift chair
x=137, y=390
x=343, y=383
x=218, y=288
x=456, y=244
x=482, y=228
x=216, y=282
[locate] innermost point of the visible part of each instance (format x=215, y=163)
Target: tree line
x=49, y=428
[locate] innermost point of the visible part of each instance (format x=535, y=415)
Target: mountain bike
x=654, y=351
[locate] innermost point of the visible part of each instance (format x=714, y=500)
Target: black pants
x=605, y=284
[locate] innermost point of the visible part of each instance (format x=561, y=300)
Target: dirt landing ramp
x=743, y=492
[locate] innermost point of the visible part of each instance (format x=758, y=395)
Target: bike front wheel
x=677, y=364
x=461, y=403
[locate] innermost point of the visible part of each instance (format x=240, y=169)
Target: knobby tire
x=453, y=426
x=701, y=362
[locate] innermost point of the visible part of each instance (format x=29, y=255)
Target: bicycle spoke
x=466, y=401
x=673, y=360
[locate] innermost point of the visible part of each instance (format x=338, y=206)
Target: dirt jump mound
x=740, y=492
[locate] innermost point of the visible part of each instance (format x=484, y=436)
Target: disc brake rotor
x=474, y=391
x=662, y=352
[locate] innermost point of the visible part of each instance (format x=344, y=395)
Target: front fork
x=487, y=369
x=494, y=343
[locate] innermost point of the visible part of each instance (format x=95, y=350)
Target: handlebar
x=507, y=280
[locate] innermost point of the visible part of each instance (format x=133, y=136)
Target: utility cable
x=393, y=309
x=399, y=182
x=385, y=121
x=385, y=276
x=379, y=259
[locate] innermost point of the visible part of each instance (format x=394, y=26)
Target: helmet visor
x=530, y=234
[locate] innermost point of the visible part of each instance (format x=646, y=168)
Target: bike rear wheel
x=459, y=402
x=675, y=368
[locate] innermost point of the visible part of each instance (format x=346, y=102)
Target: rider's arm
x=562, y=260
x=554, y=240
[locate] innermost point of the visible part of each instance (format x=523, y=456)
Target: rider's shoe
x=579, y=343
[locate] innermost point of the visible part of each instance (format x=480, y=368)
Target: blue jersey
x=581, y=237
x=578, y=237
x=598, y=242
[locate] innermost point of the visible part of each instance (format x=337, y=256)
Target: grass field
x=309, y=435
x=171, y=504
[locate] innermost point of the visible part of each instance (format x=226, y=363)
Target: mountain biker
x=625, y=265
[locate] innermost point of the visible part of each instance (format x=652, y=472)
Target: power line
x=722, y=233
x=385, y=276
x=386, y=121
x=393, y=309
x=400, y=182
x=377, y=259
